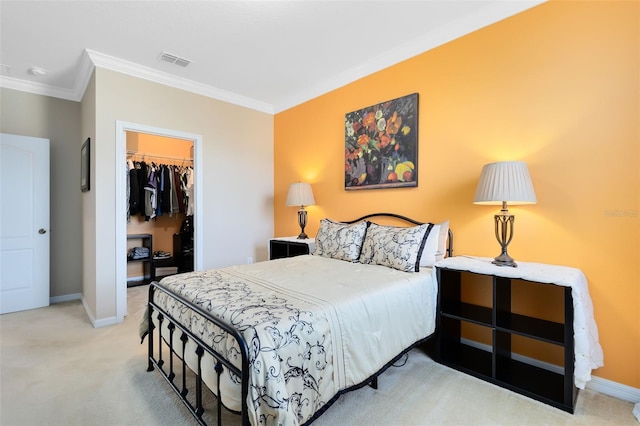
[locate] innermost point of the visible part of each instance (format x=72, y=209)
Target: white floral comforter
x=314, y=326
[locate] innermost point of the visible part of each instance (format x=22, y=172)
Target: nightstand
x=290, y=246
x=482, y=320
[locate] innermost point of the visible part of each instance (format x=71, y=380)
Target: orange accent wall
x=556, y=86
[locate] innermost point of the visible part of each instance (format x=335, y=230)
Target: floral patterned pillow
x=340, y=240
x=398, y=248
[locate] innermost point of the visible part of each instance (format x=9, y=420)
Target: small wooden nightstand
x=290, y=246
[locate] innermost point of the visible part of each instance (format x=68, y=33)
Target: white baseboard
x=65, y=298
x=101, y=322
x=614, y=389
x=597, y=384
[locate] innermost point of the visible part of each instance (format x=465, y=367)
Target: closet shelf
x=149, y=272
x=164, y=157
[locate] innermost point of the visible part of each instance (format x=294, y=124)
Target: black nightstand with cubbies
x=289, y=247
x=482, y=338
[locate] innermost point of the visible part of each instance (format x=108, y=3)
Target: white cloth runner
x=588, y=352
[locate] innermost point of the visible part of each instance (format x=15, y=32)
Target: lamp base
x=504, y=234
x=302, y=222
x=505, y=260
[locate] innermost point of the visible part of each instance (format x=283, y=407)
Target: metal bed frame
x=179, y=335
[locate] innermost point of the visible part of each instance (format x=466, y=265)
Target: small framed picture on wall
x=85, y=165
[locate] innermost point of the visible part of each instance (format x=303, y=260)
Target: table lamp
x=300, y=194
x=501, y=183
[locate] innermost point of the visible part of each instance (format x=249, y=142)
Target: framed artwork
x=85, y=164
x=381, y=145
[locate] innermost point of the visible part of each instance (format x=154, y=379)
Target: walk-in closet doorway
x=123, y=153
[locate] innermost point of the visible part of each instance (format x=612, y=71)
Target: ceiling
x=265, y=55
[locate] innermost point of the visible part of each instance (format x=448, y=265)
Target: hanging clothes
x=189, y=191
x=142, y=177
x=150, y=188
x=160, y=181
x=178, y=189
x=133, y=191
x=128, y=192
x=157, y=189
x=166, y=191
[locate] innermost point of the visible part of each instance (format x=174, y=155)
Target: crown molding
x=91, y=59
x=37, y=88
x=125, y=67
x=84, y=74
x=75, y=94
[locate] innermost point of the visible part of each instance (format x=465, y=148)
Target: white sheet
x=588, y=352
x=372, y=313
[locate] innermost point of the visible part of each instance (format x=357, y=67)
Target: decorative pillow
x=398, y=248
x=436, y=245
x=340, y=240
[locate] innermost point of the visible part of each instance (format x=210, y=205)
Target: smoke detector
x=174, y=59
x=37, y=71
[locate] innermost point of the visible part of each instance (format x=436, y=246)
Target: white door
x=24, y=223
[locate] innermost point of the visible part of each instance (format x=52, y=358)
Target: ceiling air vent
x=174, y=59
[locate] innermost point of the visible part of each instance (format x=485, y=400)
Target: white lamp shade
x=505, y=181
x=300, y=194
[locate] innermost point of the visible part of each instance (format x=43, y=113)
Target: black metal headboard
x=406, y=219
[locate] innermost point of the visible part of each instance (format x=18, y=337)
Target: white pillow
x=436, y=246
x=442, y=240
x=340, y=240
x=398, y=248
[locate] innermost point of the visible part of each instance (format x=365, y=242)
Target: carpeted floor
x=56, y=369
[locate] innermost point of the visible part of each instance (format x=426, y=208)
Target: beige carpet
x=56, y=369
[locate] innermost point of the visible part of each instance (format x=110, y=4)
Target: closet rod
x=130, y=152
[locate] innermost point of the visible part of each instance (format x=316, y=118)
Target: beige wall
x=59, y=121
x=237, y=158
x=237, y=176
x=88, y=130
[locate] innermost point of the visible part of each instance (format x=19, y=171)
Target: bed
x=279, y=341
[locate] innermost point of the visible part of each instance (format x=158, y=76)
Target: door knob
x=42, y=231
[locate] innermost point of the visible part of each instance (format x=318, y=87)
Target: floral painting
x=381, y=145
